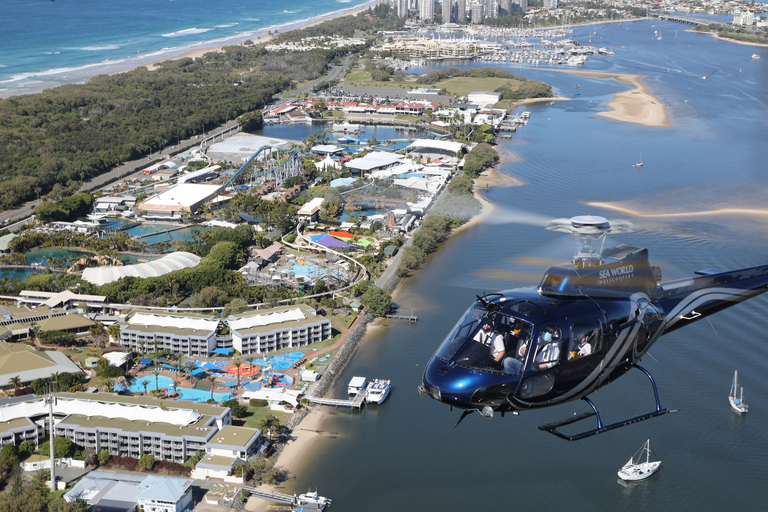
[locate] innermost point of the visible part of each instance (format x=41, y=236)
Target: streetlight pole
x=51, y=401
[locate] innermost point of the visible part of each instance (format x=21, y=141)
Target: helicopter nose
x=464, y=387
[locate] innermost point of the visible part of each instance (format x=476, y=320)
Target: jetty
x=355, y=402
x=411, y=318
x=309, y=501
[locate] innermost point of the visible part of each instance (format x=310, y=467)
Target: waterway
x=406, y=453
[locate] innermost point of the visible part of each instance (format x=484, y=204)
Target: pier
x=355, y=403
x=411, y=318
x=309, y=501
x=176, y=228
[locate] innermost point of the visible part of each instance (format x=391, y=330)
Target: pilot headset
x=546, y=336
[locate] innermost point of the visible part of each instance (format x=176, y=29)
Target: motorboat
x=736, y=396
x=640, y=465
x=378, y=391
x=356, y=385
x=756, y=56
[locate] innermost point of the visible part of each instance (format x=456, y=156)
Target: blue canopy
x=145, y=360
x=118, y=388
x=209, y=366
x=223, y=351
x=229, y=384
x=198, y=371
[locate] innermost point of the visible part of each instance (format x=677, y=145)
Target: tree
x=145, y=385
x=114, y=331
x=156, y=373
x=103, y=457
x=269, y=424
x=209, y=297
x=147, y=461
x=62, y=447
x=16, y=383
x=237, y=364
x=212, y=380
x=235, y=306
x=264, y=471
x=238, y=409
x=377, y=301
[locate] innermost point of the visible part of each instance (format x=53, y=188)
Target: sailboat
x=640, y=162
x=737, y=402
x=637, y=468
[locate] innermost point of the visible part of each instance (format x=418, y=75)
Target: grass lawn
x=255, y=415
x=345, y=320
x=333, y=113
x=463, y=85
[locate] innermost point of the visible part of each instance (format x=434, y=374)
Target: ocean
x=406, y=454
x=45, y=43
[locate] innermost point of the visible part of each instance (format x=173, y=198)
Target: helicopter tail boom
x=690, y=299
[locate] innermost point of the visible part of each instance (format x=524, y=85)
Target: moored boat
x=637, y=468
x=736, y=396
x=356, y=385
x=378, y=391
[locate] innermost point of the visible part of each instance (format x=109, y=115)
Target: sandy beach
x=199, y=52
x=636, y=106
x=758, y=213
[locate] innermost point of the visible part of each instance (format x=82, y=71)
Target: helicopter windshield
x=487, y=341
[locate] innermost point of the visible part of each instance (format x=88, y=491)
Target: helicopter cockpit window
x=484, y=340
x=586, y=339
x=547, y=348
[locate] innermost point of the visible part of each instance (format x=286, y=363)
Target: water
x=46, y=43
x=41, y=255
x=407, y=455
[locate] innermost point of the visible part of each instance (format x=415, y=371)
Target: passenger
x=492, y=339
x=549, y=352
x=581, y=348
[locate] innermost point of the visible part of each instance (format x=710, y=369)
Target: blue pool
x=279, y=379
x=280, y=361
x=197, y=395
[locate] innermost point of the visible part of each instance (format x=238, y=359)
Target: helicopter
x=587, y=323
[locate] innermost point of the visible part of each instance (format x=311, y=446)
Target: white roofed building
x=374, y=161
x=310, y=212
x=185, y=334
x=435, y=146
x=274, y=329
x=183, y=198
x=484, y=98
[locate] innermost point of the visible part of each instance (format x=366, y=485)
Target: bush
x=257, y=403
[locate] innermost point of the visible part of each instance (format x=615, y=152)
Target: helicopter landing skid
x=552, y=428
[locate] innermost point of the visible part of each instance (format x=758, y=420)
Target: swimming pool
x=282, y=380
x=280, y=361
x=197, y=395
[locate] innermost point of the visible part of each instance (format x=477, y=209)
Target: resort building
x=284, y=327
x=65, y=299
x=23, y=361
x=176, y=201
x=191, y=335
x=129, y=426
x=310, y=212
x=231, y=446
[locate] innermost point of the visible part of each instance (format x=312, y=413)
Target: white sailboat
x=640, y=162
x=640, y=465
x=737, y=402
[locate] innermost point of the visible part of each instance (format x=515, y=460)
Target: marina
x=362, y=392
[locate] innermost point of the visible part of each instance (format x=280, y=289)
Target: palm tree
x=212, y=380
x=145, y=383
x=156, y=373
x=176, y=358
x=154, y=344
x=16, y=383
x=190, y=365
x=269, y=424
x=237, y=364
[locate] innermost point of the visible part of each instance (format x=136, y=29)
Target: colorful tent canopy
x=329, y=241
x=223, y=351
x=342, y=234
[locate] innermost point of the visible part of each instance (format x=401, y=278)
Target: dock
x=309, y=501
x=355, y=403
x=411, y=318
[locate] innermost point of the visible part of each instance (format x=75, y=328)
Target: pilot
x=514, y=363
x=549, y=352
x=492, y=339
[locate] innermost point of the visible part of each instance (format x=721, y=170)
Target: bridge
x=268, y=164
x=689, y=21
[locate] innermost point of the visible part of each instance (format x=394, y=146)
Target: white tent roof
x=164, y=265
x=267, y=319
x=112, y=410
x=273, y=395
x=199, y=324
x=444, y=145
x=374, y=160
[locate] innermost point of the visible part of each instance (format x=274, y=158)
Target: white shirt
x=492, y=339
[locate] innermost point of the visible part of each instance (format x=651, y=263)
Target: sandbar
x=758, y=213
x=636, y=106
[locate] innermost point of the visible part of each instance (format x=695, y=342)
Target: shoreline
x=85, y=73
x=756, y=213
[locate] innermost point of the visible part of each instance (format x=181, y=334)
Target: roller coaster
x=268, y=164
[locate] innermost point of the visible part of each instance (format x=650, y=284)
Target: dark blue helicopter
x=586, y=324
